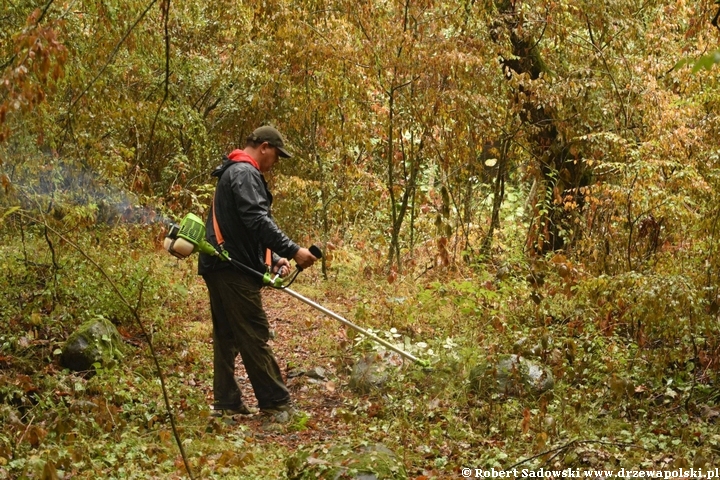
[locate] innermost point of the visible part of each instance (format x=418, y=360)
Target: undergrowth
x=634, y=359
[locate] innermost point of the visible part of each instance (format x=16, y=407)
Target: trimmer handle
x=317, y=253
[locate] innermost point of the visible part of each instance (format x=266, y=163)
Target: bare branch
x=134, y=312
x=165, y=7
x=111, y=58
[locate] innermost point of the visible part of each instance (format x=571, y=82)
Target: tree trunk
x=557, y=176
x=498, y=197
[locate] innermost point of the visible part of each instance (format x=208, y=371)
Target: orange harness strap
x=221, y=240
x=216, y=227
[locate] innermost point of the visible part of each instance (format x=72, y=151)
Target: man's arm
x=252, y=202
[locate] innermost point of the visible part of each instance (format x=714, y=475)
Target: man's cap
x=272, y=137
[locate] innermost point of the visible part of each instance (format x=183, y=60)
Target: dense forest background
x=483, y=176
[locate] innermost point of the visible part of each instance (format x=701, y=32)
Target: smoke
x=60, y=189
x=145, y=215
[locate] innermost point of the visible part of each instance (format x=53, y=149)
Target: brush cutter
x=189, y=237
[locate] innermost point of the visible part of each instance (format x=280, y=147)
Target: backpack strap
x=221, y=240
x=216, y=227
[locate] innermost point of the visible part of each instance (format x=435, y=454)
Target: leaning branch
x=569, y=445
x=111, y=58
x=134, y=312
x=165, y=7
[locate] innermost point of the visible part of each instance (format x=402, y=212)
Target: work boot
x=280, y=413
x=242, y=409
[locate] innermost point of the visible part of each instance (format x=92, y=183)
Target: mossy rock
x=95, y=341
x=512, y=375
x=346, y=462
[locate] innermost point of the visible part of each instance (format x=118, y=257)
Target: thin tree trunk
x=498, y=197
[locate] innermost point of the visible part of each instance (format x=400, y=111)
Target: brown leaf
x=49, y=472
x=541, y=441
x=525, y=423
x=35, y=435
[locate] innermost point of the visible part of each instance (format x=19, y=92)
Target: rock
x=512, y=375
x=318, y=373
x=343, y=461
x=368, y=374
x=95, y=341
x=295, y=372
x=82, y=406
x=523, y=348
x=502, y=273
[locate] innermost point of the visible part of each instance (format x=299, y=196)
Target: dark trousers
x=241, y=326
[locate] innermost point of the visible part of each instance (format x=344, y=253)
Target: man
x=241, y=213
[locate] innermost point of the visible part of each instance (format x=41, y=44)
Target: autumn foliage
x=480, y=172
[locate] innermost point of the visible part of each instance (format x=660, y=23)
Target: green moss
x=96, y=341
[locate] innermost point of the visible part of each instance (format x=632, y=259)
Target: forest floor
x=315, y=356
x=296, y=328
x=613, y=405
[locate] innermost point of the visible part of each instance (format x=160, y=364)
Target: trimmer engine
x=187, y=238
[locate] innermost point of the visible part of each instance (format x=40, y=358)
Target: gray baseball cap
x=271, y=136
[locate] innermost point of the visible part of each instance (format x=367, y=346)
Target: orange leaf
x=525, y=424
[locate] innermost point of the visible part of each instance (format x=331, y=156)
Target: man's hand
x=282, y=267
x=304, y=258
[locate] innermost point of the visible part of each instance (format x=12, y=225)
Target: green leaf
x=707, y=61
x=8, y=212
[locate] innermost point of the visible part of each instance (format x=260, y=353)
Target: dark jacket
x=243, y=203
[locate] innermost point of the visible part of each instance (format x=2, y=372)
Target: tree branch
x=571, y=443
x=165, y=7
x=136, y=316
x=112, y=54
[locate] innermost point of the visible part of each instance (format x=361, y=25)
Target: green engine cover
x=192, y=229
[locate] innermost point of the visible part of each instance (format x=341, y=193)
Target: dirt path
x=301, y=333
